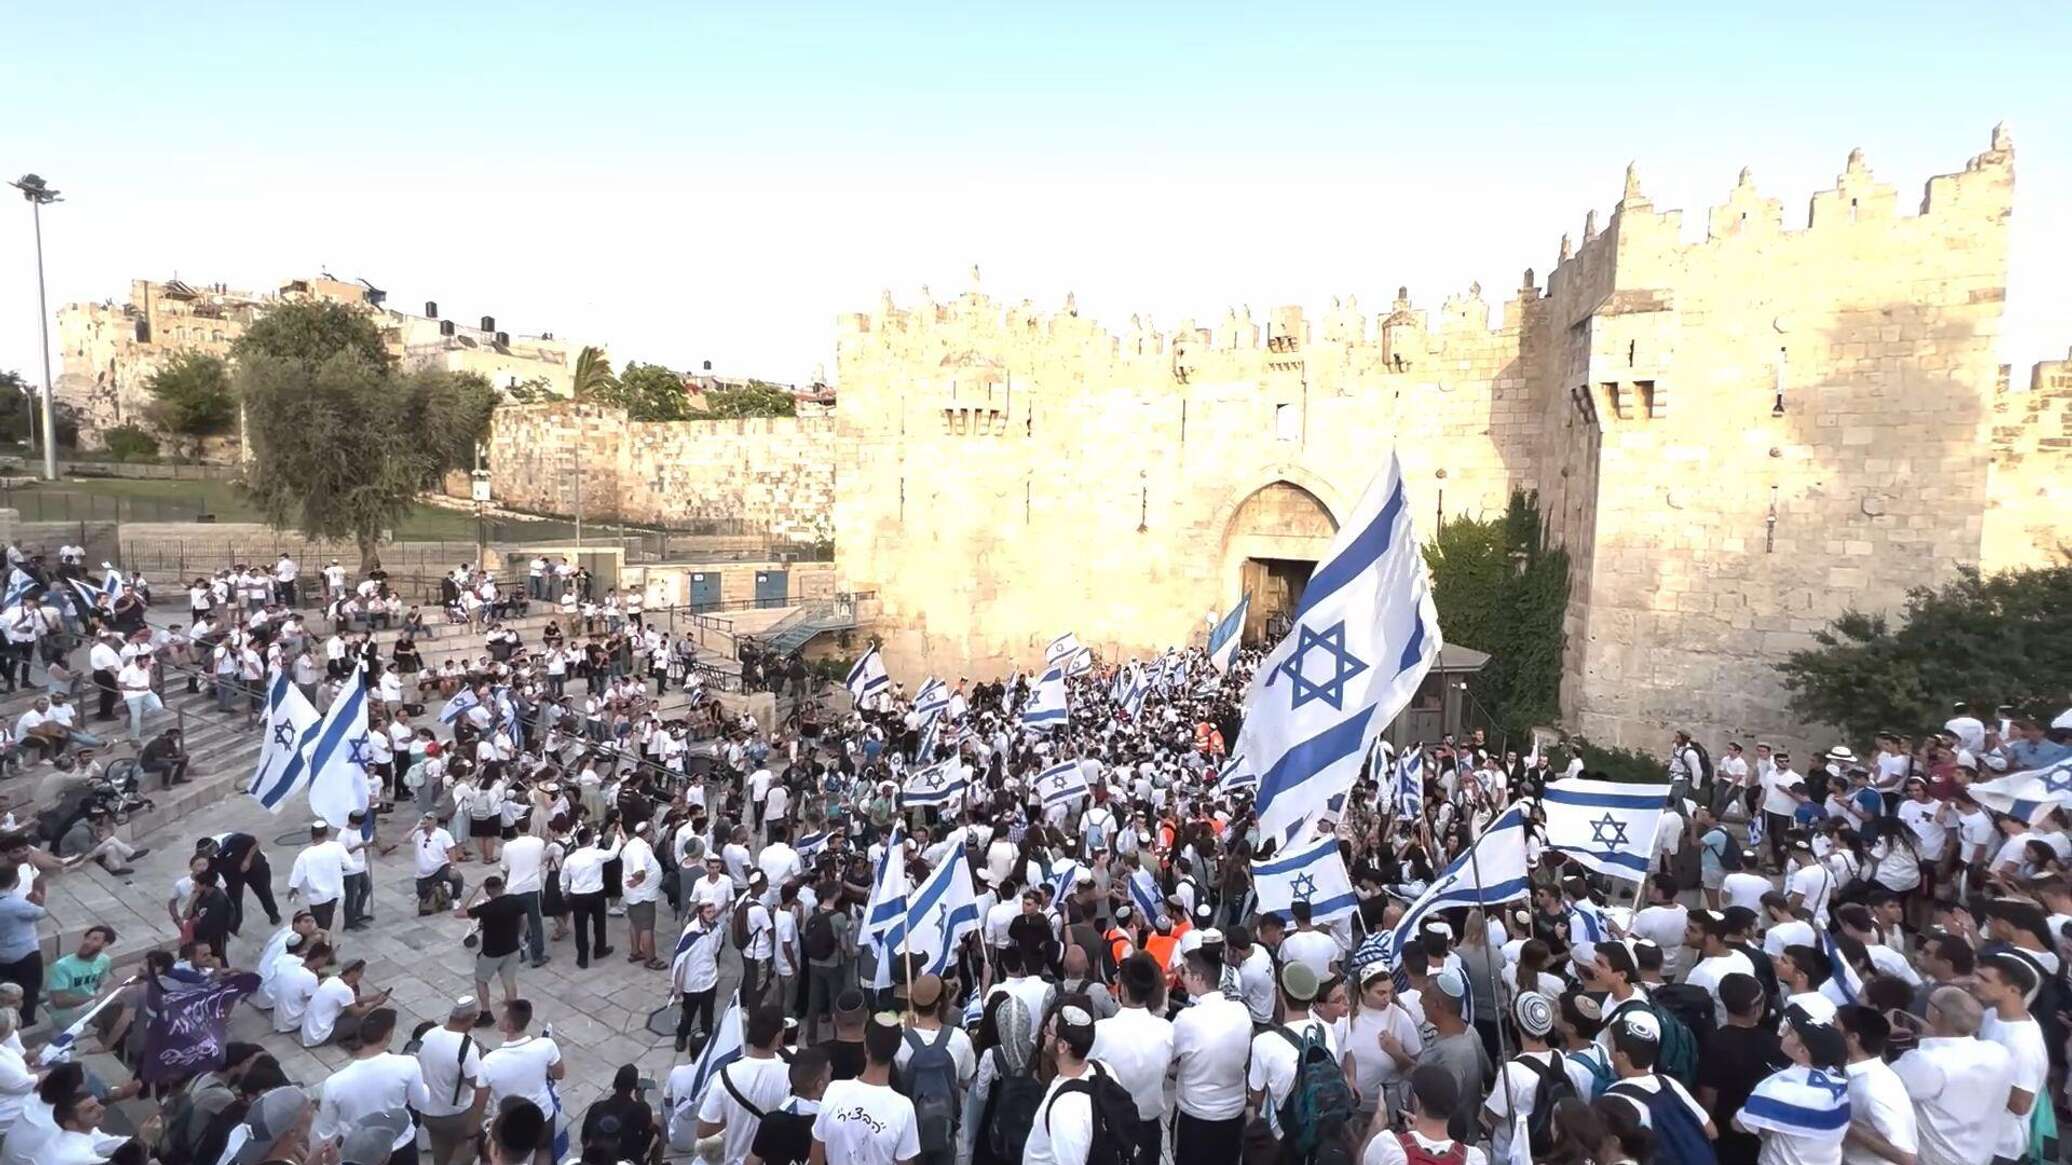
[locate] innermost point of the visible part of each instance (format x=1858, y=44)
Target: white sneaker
x=616, y=912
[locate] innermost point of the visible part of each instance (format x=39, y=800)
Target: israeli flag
x=932, y=700
x=463, y=702
x=1844, y=975
x=809, y=846
x=940, y=785
x=1063, y=647
x=1314, y=873
x=1801, y=1102
x=1134, y=690
x=1063, y=873
x=1060, y=784
x=2027, y=795
x=507, y=709
x=888, y=904
x=1236, y=776
x=290, y=726
x=1223, y=639
x=868, y=677
x=1608, y=827
x=83, y=596
x=1585, y=923
x=111, y=583
x=725, y=1047
x=942, y=911
x=1364, y=636
x=1409, y=795
x=1491, y=871
x=338, y=759
x=19, y=584
x=1047, y=707
x=1080, y=662
x=1145, y=897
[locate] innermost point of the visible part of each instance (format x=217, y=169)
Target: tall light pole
x=41, y=195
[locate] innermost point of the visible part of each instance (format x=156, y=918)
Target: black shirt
x=625, y=1122
x=1736, y=1060
x=783, y=1138
x=503, y=920
x=845, y=1058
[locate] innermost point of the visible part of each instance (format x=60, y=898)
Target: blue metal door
x=772, y=588
x=704, y=590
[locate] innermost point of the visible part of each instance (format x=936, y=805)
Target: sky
x=686, y=181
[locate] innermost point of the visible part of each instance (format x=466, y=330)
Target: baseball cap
x=266, y=1121
x=373, y=1138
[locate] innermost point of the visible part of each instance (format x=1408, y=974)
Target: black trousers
x=589, y=919
x=1206, y=1142
x=697, y=1013
x=258, y=879
x=28, y=975
x=324, y=913
x=104, y=682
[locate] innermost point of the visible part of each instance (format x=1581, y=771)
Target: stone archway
x=1272, y=541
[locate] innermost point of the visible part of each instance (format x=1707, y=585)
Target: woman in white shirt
x=1380, y=1041
x=17, y=1083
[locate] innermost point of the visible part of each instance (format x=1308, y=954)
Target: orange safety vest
x=1160, y=947
x=1118, y=944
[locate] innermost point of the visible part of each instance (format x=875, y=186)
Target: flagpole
x=1495, y=991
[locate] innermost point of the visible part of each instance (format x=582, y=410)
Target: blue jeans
x=535, y=925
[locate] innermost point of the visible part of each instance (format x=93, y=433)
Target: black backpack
x=1704, y=775
x=1553, y=1088
x=1729, y=855
x=1011, y=1111
x=1115, y=1116
x=819, y=940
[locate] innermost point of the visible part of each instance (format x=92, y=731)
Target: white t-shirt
x=764, y=1081
x=1817, y=883
x=1387, y=1150
x=1521, y=1083
x=1663, y=926
x=332, y=997
x=445, y=1067
x=383, y=1083
x=1064, y=1126
x=432, y=851
x=519, y=1068
x=866, y=1124
x=1316, y=949
x=1744, y=888
x=2023, y=1040
x=1273, y=1064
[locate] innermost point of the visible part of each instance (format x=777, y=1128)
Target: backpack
x=1011, y=1111
x=819, y=939
x=1319, y=1106
x=1704, y=763
x=1679, y=1136
x=738, y=926
x=1115, y=1118
x=1729, y=855
x=1414, y=1152
x=1553, y=1088
x=1679, y=1048
x=930, y=1081
x=1691, y=1004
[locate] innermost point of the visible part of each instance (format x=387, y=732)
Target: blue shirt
x=2026, y=755
x=18, y=919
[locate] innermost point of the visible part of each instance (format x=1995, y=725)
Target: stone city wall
x=2028, y=498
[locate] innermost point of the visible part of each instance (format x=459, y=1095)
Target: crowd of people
x=1855, y=961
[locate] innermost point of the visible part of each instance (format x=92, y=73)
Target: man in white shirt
x=524, y=862
x=1211, y=1043
x=1276, y=1052
x=524, y=1065
x=1254, y=968
x=335, y=1009
x=2006, y=982
x=865, y=1121
x=1309, y=945
x=434, y=852
x=582, y=883
x=1883, y=1127
x=1969, y=730
x=757, y=956
x=375, y=1081
x=641, y=882
x=451, y=1063
x=1663, y=921
x=759, y=1077
x=1064, y=1131
x=1519, y=1083
x=1960, y=1084
x=1137, y=1047
x=295, y=985
x=1777, y=803
x=318, y=876
x=1707, y=932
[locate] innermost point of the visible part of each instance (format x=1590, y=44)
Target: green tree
x=648, y=392
x=312, y=331
x=593, y=376
x=341, y=442
x=15, y=406
x=194, y=395
x=2004, y=639
x=757, y=398
x=130, y=443
x=1500, y=589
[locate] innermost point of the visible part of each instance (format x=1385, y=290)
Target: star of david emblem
x=2058, y=779
x=1344, y=666
x=1834, y=1086
x=284, y=733
x=932, y=779
x=1608, y=830
x=1304, y=886
x=358, y=753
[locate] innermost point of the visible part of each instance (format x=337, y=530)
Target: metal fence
x=57, y=504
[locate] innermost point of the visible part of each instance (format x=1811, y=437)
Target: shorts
x=640, y=915
x=485, y=827
x=503, y=967
x=1713, y=879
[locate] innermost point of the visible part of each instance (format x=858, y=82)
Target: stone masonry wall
x=2028, y=498
x=773, y=476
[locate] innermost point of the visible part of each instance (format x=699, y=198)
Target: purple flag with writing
x=186, y=1032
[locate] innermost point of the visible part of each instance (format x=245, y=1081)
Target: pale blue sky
x=697, y=181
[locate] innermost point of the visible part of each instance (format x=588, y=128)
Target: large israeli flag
x=1364, y=636
x=1223, y=638
x=868, y=677
x=1409, y=783
x=1313, y=873
x=1608, y=827
x=2027, y=795
x=1803, y=1103
x=1135, y=687
x=290, y=726
x=1145, y=897
x=941, y=785
x=888, y=902
x=941, y=911
x=338, y=759
x=1060, y=784
x=1235, y=776
x=463, y=702
x=1492, y=870
x=932, y=700
x=19, y=584
x=1062, y=648
x=1047, y=709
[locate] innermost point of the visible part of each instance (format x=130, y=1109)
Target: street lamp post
x=39, y=195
